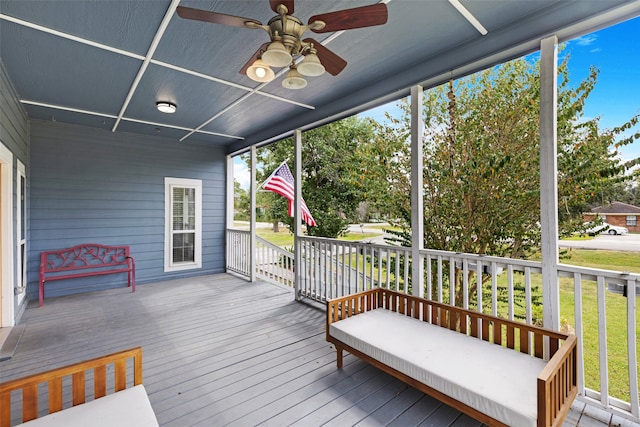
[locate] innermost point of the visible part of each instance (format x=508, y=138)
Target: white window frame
x=632, y=220
x=169, y=185
x=21, y=227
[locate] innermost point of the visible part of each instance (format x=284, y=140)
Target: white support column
x=549, y=180
x=297, y=225
x=230, y=193
x=252, y=234
x=229, y=208
x=417, y=191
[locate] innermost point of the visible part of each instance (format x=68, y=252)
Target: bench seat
x=499, y=383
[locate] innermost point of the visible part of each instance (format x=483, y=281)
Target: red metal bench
x=86, y=260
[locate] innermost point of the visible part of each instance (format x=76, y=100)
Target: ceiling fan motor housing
x=288, y=29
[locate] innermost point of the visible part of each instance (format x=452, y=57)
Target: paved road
x=628, y=242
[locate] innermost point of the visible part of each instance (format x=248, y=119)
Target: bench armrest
x=557, y=384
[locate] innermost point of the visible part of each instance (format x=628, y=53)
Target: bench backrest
x=85, y=256
x=515, y=335
x=89, y=377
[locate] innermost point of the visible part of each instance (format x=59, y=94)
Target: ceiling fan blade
x=253, y=58
x=331, y=62
x=347, y=19
x=275, y=3
x=213, y=17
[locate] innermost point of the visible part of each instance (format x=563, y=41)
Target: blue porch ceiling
x=77, y=61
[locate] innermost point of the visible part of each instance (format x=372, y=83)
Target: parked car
x=605, y=228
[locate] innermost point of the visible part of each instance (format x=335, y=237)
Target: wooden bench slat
x=100, y=381
x=30, y=402
x=5, y=402
x=120, y=374
x=79, y=395
x=55, y=395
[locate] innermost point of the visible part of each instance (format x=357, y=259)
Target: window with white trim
x=183, y=224
x=631, y=220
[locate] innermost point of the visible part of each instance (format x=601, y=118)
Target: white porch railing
x=500, y=286
x=238, y=252
x=274, y=264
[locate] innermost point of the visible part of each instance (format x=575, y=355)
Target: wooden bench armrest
x=557, y=384
x=53, y=378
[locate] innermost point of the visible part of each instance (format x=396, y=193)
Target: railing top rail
x=274, y=247
x=590, y=272
x=484, y=259
x=238, y=230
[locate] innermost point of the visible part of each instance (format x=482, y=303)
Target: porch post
x=297, y=225
x=549, y=180
x=417, y=192
x=252, y=219
x=229, y=208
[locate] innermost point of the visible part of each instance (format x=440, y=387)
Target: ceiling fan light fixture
x=166, y=107
x=294, y=80
x=260, y=72
x=311, y=66
x=277, y=55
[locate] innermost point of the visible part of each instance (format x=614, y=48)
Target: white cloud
x=241, y=172
x=586, y=40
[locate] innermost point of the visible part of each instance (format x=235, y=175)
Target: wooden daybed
x=500, y=372
x=126, y=406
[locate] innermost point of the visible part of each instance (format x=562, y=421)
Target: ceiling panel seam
x=152, y=49
x=126, y=119
x=70, y=37
x=469, y=16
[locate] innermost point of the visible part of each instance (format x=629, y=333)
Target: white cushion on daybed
x=496, y=381
x=129, y=407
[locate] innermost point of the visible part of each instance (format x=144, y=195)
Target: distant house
x=617, y=213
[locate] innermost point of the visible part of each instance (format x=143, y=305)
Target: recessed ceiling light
x=166, y=107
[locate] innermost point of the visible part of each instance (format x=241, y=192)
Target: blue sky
x=616, y=97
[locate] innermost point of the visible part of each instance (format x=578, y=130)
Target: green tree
x=241, y=202
x=481, y=161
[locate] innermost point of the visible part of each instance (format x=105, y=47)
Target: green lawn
x=616, y=315
x=285, y=239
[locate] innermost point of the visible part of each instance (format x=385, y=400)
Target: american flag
x=282, y=182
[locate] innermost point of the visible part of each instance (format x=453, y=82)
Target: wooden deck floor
x=220, y=351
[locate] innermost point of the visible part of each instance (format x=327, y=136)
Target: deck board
x=220, y=351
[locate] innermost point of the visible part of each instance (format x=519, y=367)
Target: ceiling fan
x=287, y=44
